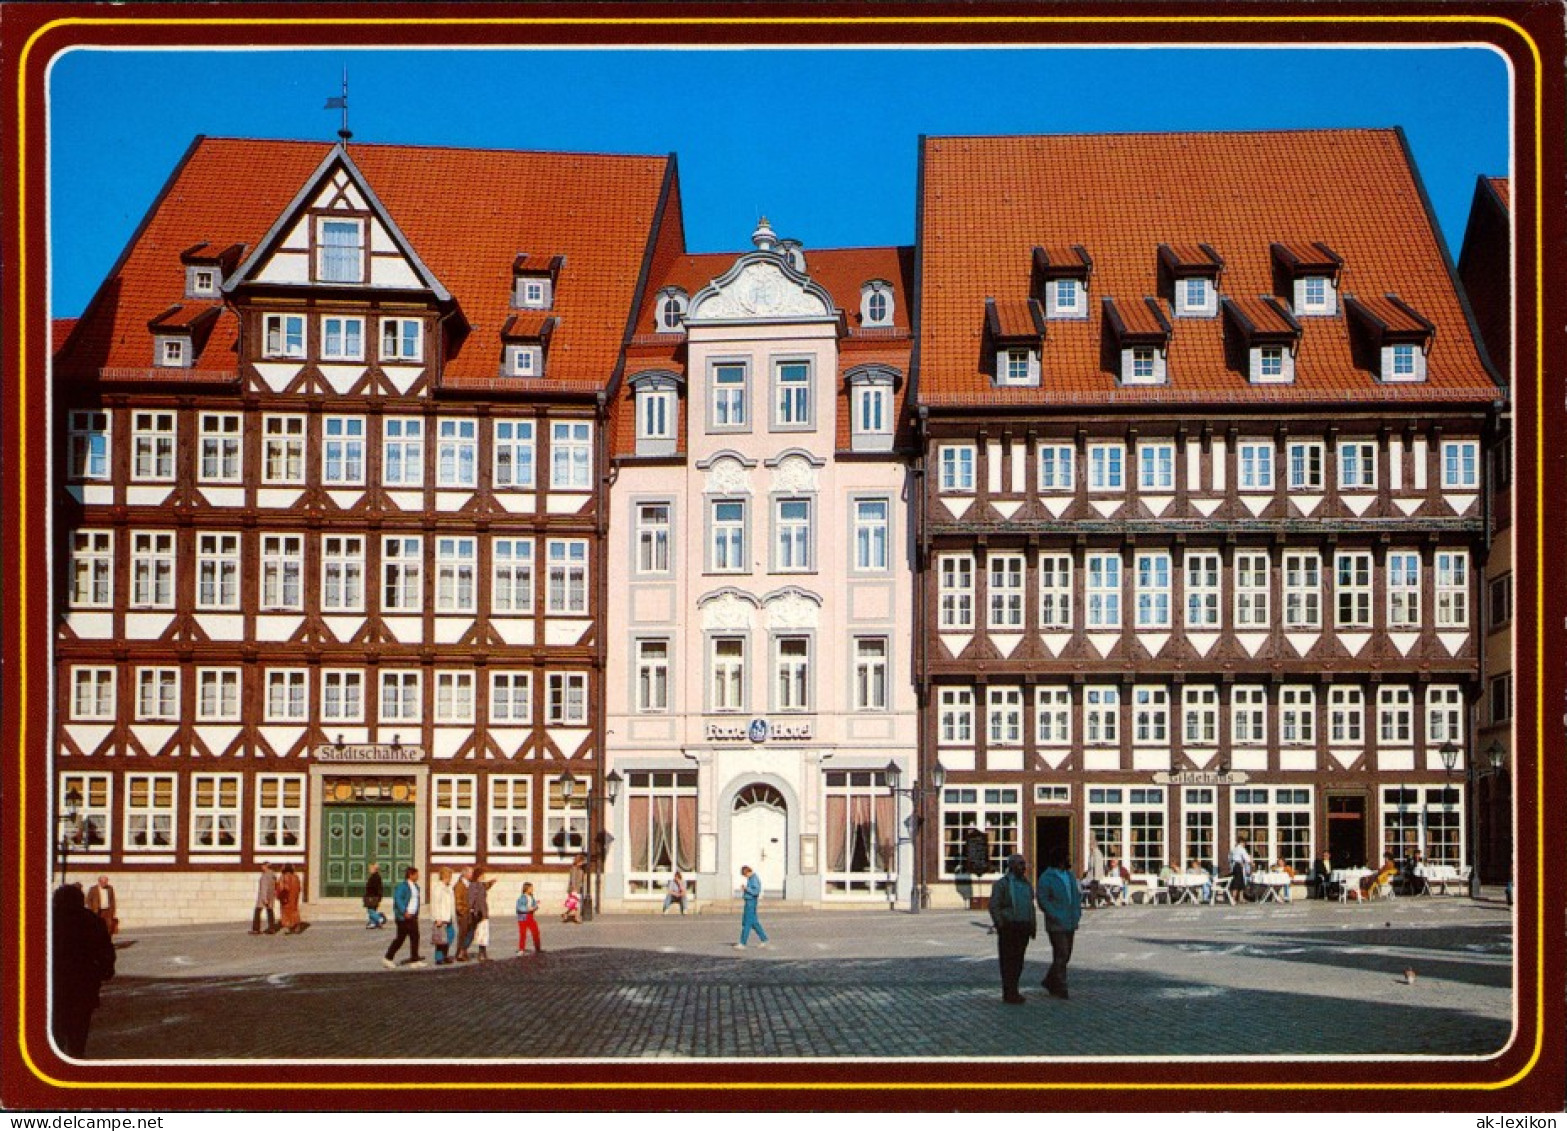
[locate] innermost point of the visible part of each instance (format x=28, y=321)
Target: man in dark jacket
x=373, y=899
x=1061, y=899
x=1012, y=912
x=83, y=961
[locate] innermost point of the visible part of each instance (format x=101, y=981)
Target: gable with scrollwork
x=760, y=286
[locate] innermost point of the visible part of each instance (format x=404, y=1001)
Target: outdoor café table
x=1187, y=889
x=1273, y=885
x=1348, y=880
x=1437, y=875
x=1114, y=890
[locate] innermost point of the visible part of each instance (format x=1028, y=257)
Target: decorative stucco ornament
x=728, y=477
x=794, y=475
x=760, y=290
x=727, y=611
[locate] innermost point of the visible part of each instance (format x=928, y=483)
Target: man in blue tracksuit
x=405, y=909
x=1061, y=899
x=1012, y=912
x=748, y=920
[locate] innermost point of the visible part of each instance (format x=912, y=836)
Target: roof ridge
x=1168, y=133
x=436, y=148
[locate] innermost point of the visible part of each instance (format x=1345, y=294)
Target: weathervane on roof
x=341, y=103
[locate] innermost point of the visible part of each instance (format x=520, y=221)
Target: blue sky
x=824, y=142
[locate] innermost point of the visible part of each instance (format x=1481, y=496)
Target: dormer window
x=1399, y=334
x=524, y=361
x=1142, y=335
x=172, y=352
x=1190, y=274
x=1060, y=280
x=340, y=250
x=202, y=282
x=876, y=303
x=1016, y=331
x=657, y=402
x=534, y=278
x=1307, y=275
x=1264, y=328
x=670, y=315
x=871, y=407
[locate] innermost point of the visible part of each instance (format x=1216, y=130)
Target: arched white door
x=758, y=836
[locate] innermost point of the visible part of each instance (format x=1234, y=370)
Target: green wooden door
x=356, y=836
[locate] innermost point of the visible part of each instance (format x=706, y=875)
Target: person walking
x=675, y=892
x=479, y=913
x=373, y=899
x=288, y=894
x=750, y=894
x=442, y=907
x=405, y=909
x=83, y=957
x=460, y=912
x=1012, y=912
x=1240, y=869
x=100, y=901
x=527, y=921
x=1061, y=899
x=266, y=897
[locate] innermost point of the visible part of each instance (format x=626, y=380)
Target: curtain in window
x=837, y=829
x=886, y=834
x=862, y=843
x=663, y=841
x=638, y=819
x=685, y=833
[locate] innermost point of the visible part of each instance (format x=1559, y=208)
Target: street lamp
x=69, y=829
x=594, y=800
x=1495, y=756
x=919, y=897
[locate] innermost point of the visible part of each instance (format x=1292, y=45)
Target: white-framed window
x=861, y=823
x=1017, y=365
x=727, y=527
x=1127, y=824
x=88, y=439
x=402, y=573
x=402, y=697
x=1056, y=462
x=455, y=811
x=456, y=567
x=282, y=568
x=92, y=693
x=1460, y=465
x=95, y=811
x=1403, y=363
x=726, y=668
x=1200, y=824
x=792, y=394
x=565, y=821
x=534, y=292
x=571, y=455
x=876, y=304
x=92, y=569
x=453, y=698
x=727, y=406
x=152, y=446
x=1101, y=715
x=511, y=575
x=1254, y=462
x=1142, y=366
x=217, y=571
x=340, y=249
x=1200, y=714
x=343, y=573
x=671, y=312
x=511, y=698
x=567, y=704
x=172, y=351
x=1064, y=298
x=1346, y=716
x=1302, y=590
x=1428, y=818
x=1357, y=465
x=342, y=338
x=955, y=716
x=653, y=528
x=151, y=801
x=152, y=569
x=657, y=410
x=221, y=447
x=1403, y=589
x=1055, y=591
x=793, y=545
x=567, y=578
x=402, y=451
x=514, y=455
x=1395, y=716
x=1297, y=715
x=871, y=676
x=1153, y=589
x=1203, y=594
x=1251, y=589
x=457, y=453
x=524, y=361
x=995, y=811
x=872, y=535
x=956, y=590
x=873, y=410
x=1106, y=467
x=511, y=813
x=342, y=695
x=1194, y=295
x=1156, y=467
x=202, y=281
x=792, y=673
x=1352, y=588
x=287, y=694
x=402, y=339
x=1315, y=295
x=1276, y=823
x=217, y=694
x=1272, y=364
x=1150, y=715
x=1305, y=465
x=280, y=812
x=1248, y=716
x=1004, y=714
x=283, y=335
x=1103, y=590
x=957, y=468
x=1452, y=589
x=1444, y=716
x=343, y=450
x=652, y=668
x=1006, y=573
x=662, y=812
x=215, y=812
x=282, y=449
x=1053, y=716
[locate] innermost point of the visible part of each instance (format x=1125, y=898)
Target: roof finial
x=764, y=237
x=341, y=103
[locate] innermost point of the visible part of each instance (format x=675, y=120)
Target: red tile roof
x=989, y=200
x=1263, y=315
x=1502, y=190
x=467, y=214
x=1014, y=318
x=1391, y=315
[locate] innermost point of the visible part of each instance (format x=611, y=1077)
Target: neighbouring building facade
x=1201, y=520
x=331, y=518
x=760, y=580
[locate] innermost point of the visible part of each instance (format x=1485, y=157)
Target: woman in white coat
x=443, y=908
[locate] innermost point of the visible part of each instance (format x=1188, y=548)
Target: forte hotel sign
x=759, y=730
x=369, y=752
